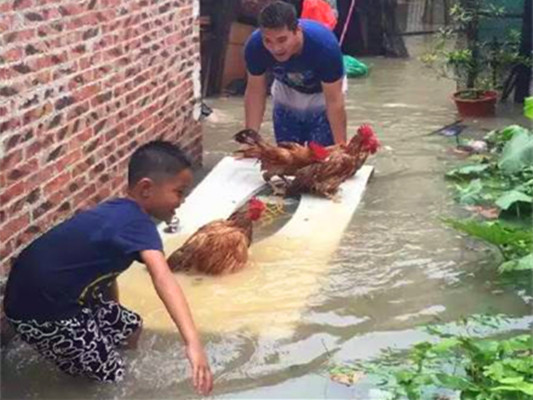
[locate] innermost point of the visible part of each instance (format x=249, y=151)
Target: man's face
x=282, y=43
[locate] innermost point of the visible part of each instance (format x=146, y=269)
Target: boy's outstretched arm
x=172, y=296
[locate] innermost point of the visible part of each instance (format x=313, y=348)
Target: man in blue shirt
x=58, y=296
x=307, y=93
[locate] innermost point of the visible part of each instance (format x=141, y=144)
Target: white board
x=285, y=268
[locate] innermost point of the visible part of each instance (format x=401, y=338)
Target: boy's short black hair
x=157, y=160
x=278, y=15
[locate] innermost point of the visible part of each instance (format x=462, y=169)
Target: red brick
x=85, y=194
x=12, y=192
x=20, y=36
x=40, y=145
x=71, y=9
x=68, y=160
x=86, y=92
x=10, y=160
x=22, y=170
x=41, y=175
x=37, y=113
x=14, y=54
x=14, y=226
x=41, y=62
x=27, y=235
x=58, y=183
x=6, y=249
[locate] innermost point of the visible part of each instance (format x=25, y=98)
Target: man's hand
x=202, y=377
x=255, y=101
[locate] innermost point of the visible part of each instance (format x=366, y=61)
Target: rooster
x=281, y=160
x=342, y=163
x=221, y=246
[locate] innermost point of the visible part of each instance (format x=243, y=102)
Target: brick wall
x=82, y=84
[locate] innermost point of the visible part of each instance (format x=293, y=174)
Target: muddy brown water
x=396, y=267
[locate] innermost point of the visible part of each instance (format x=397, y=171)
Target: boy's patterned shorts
x=84, y=344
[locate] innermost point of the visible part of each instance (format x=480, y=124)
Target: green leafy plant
x=460, y=361
x=459, y=53
x=514, y=243
x=503, y=178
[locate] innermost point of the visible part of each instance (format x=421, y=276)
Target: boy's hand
x=170, y=292
x=201, y=374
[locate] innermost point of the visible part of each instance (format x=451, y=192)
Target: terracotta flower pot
x=484, y=106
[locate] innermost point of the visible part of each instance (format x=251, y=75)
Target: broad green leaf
x=512, y=381
x=523, y=365
x=445, y=345
x=453, y=382
x=511, y=197
x=496, y=370
x=505, y=134
x=471, y=194
x=523, y=387
x=517, y=265
x=467, y=171
x=528, y=107
x=519, y=343
x=487, y=347
x=517, y=153
x=493, y=232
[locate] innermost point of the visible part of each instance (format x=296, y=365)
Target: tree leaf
x=471, y=194
x=511, y=197
x=503, y=135
x=517, y=265
x=445, y=345
x=517, y=153
x=524, y=387
x=492, y=232
x=453, y=382
x=528, y=107
x=467, y=171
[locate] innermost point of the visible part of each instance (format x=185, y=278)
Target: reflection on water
x=395, y=268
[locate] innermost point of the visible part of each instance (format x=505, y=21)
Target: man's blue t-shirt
x=319, y=61
x=59, y=272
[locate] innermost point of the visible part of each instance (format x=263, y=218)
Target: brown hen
x=342, y=163
x=219, y=247
x=281, y=160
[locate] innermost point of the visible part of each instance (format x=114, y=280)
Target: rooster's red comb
x=369, y=140
x=319, y=151
x=255, y=203
x=366, y=131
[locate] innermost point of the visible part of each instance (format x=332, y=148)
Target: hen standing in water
x=221, y=246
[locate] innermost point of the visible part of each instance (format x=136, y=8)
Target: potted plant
x=478, y=66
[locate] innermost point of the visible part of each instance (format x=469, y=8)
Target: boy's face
x=282, y=43
x=164, y=196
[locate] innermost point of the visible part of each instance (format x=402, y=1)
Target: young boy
x=57, y=295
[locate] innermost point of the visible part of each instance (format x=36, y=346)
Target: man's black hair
x=278, y=15
x=157, y=160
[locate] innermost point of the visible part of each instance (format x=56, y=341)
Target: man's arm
x=335, y=109
x=255, y=101
x=174, y=300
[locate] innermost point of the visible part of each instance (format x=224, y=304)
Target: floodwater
x=273, y=330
